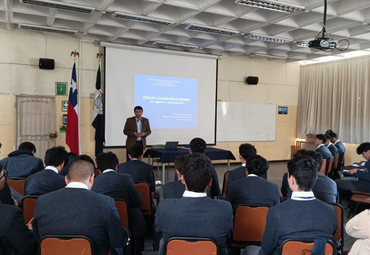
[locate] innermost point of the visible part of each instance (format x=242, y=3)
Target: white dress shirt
x=77, y=185
x=188, y=193
x=303, y=196
x=51, y=168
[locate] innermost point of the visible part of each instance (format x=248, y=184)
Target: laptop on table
x=171, y=145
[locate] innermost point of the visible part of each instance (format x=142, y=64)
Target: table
x=169, y=156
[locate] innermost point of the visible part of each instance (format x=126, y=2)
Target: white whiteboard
x=238, y=122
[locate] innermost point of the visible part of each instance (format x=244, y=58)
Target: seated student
x=253, y=189
x=363, y=183
x=340, y=147
x=139, y=171
x=324, y=189
x=320, y=141
x=15, y=237
x=49, y=179
x=71, y=157
x=22, y=162
x=246, y=150
x=75, y=210
x=334, y=151
x=195, y=214
x=176, y=189
x=118, y=185
x=302, y=216
x=198, y=145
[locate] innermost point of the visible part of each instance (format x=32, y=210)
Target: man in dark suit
x=118, y=185
x=15, y=237
x=139, y=171
x=195, y=214
x=22, y=162
x=363, y=175
x=320, y=141
x=198, y=145
x=334, y=151
x=75, y=210
x=176, y=188
x=246, y=150
x=324, y=189
x=137, y=129
x=253, y=189
x=302, y=216
x=49, y=179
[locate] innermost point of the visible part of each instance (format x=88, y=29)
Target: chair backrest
x=28, y=205
x=330, y=166
x=122, y=211
x=224, y=186
x=304, y=247
x=17, y=184
x=323, y=167
x=61, y=245
x=336, y=161
x=189, y=245
x=144, y=190
x=339, y=235
x=249, y=224
x=341, y=159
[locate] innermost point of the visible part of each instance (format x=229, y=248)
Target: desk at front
x=169, y=156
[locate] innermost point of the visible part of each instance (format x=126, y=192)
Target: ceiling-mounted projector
x=322, y=44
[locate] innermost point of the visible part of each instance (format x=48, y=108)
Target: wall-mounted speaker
x=251, y=80
x=46, y=63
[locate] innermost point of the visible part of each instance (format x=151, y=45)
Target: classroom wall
x=19, y=72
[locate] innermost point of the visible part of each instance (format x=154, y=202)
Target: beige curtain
x=336, y=95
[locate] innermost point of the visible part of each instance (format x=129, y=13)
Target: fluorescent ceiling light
x=257, y=55
x=267, y=38
x=143, y=19
x=59, y=5
x=211, y=30
x=272, y=5
x=176, y=45
x=47, y=29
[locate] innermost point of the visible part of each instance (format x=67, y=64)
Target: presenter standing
x=137, y=128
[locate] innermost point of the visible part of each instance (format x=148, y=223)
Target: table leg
x=149, y=159
x=228, y=165
x=164, y=173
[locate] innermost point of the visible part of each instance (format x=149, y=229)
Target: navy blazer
x=118, y=185
x=43, y=182
x=75, y=211
x=325, y=153
x=21, y=164
x=15, y=237
x=340, y=147
x=253, y=190
x=237, y=174
x=195, y=217
x=297, y=219
x=325, y=189
x=139, y=171
x=173, y=189
x=363, y=183
x=334, y=151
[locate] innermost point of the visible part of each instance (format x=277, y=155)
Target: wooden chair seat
x=304, y=247
x=189, y=245
x=61, y=245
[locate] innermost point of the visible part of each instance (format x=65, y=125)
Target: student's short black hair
x=197, y=172
x=363, y=147
x=86, y=158
x=56, y=156
x=106, y=161
x=328, y=137
x=138, y=108
x=333, y=135
x=198, y=145
x=313, y=154
x=80, y=170
x=257, y=165
x=27, y=146
x=304, y=170
x=329, y=132
x=321, y=137
x=247, y=150
x=136, y=150
x=180, y=162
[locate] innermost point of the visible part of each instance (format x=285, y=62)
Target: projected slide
x=168, y=102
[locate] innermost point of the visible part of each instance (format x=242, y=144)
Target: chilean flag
x=73, y=132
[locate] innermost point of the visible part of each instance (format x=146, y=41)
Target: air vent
x=59, y=5
x=268, y=38
x=256, y=55
x=176, y=45
x=211, y=30
x=272, y=5
x=47, y=29
x=142, y=19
